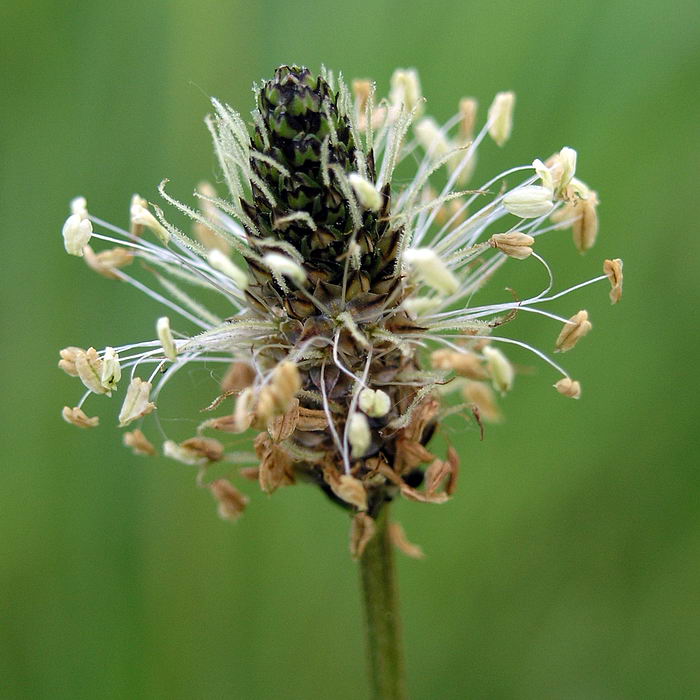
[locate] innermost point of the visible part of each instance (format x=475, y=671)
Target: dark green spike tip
x=301, y=115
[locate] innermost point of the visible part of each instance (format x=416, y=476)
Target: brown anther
x=465, y=364
x=420, y=419
x=482, y=396
x=443, y=472
x=350, y=490
x=242, y=413
x=107, y=261
x=422, y=496
x=239, y=376
x=282, y=427
x=585, y=227
x=231, y=501
x=276, y=396
x=409, y=454
x=312, y=419
x=613, y=269
x=361, y=532
x=77, y=417
x=250, y=473
x=569, y=387
x=139, y=443
x=514, y=244
x=576, y=327
x=275, y=466
x=398, y=538
x=67, y=361
x=208, y=448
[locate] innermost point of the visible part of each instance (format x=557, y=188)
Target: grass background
x=566, y=567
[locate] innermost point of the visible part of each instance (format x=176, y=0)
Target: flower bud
x=431, y=270
x=165, y=336
x=374, y=403
x=366, y=192
x=501, y=117
x=529, y=202
x=359, y=435
x=76, y=234
x=576, y=327
x=136, y=403
x=514, y=244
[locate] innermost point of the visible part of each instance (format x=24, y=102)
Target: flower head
x=351, y=301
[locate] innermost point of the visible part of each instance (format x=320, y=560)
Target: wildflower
x=341, y=283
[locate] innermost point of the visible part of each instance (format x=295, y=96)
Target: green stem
x=381, y=603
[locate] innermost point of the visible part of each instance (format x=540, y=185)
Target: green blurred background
x=566, y=566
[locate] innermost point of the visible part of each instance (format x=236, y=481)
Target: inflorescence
x=352, y=291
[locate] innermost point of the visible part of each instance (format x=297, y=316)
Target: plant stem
x=381, y=603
